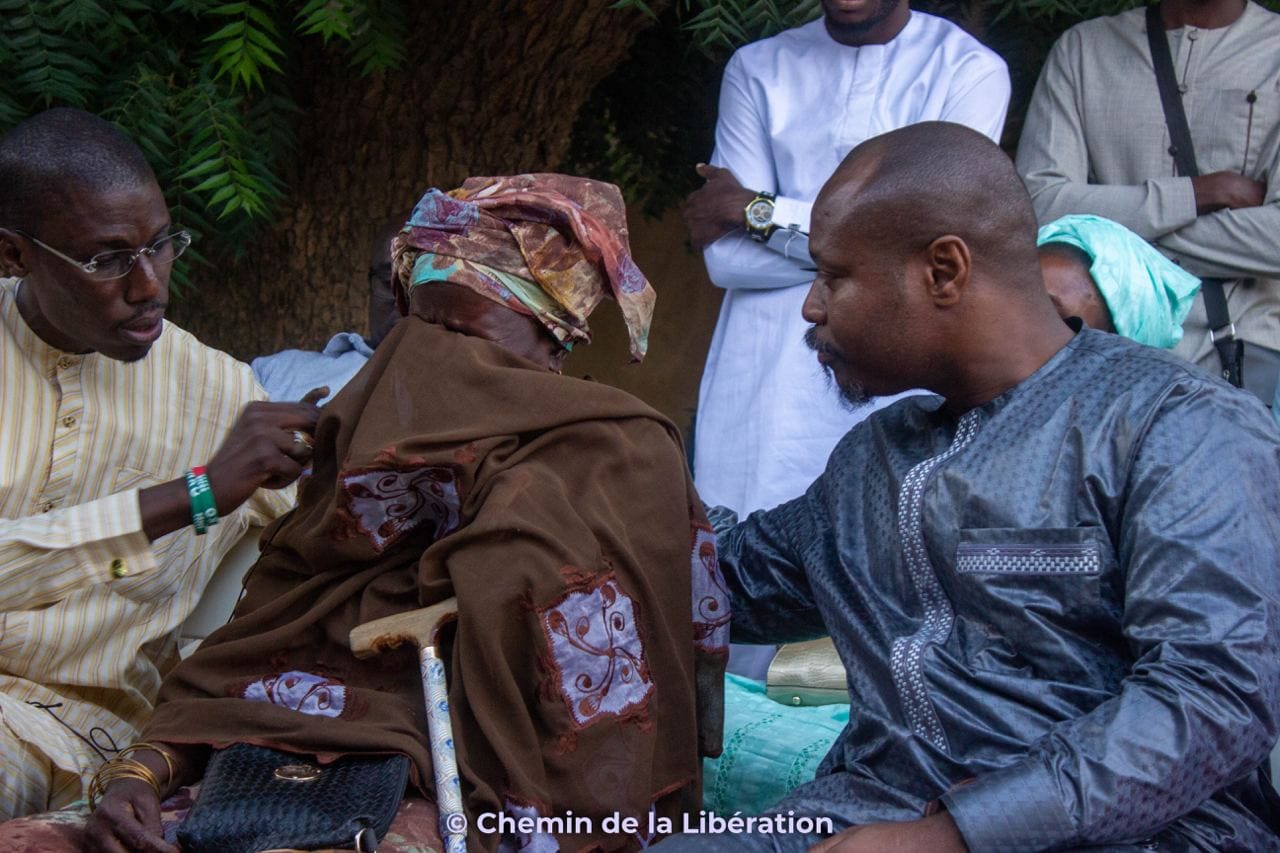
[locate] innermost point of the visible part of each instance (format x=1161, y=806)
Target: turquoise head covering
x=1147, y=294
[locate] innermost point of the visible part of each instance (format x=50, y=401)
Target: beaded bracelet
x=204, y=514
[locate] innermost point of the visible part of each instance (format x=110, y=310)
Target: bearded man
x=1052, y=584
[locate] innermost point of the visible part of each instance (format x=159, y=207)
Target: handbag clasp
x=297, y=773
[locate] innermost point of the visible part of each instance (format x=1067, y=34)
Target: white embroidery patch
x=386, y=504
x=710, y=598
x=301, y=692
x=597, y=649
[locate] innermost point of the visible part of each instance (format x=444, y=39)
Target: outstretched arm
x=763, y=567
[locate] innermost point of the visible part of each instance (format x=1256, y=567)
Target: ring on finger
x=302, y=442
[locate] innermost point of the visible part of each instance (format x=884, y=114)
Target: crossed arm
x=743, y=165
x=1222, y=224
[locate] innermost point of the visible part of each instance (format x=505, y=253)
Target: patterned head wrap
x=1147, y=294
x=547, y=246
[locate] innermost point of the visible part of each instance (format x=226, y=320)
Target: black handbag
x=1253, y=367
x=253, y=798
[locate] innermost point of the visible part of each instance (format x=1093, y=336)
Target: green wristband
x=204, y=513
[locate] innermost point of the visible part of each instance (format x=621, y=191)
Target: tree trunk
x=487, y=88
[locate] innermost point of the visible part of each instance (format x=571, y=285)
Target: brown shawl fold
x=586, y=669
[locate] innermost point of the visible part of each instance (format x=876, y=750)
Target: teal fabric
x=1147, y=294
x=769, y=748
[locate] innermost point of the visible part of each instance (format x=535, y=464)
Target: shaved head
x=924, y=243
x=58, y=149
x=901, y=191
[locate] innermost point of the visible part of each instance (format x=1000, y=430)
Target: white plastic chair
x=220, y=596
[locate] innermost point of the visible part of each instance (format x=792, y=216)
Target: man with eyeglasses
x=289, y=374
x=132, y=457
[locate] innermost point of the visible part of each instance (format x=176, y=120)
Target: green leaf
x=378, y=44
x=234, y=28
x=203, y=87
x=642, y=6
x=222, y=195
x=242, y=49
x=260, y=18
x=221, y=179
x=325, y=18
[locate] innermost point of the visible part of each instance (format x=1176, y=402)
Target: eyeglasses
x=118, y=263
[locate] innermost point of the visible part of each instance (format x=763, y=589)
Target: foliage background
x=203, y=87
x=286, y=133
x=210, y=89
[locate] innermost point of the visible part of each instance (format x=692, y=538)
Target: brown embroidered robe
x=586, y=666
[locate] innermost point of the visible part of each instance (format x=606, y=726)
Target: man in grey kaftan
x=1055, y=584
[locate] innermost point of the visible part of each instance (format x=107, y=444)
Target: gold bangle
x=132, y=770
x=103, y=779
x=119, y=768
x=164, y=753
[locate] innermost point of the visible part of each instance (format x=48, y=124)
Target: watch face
x=760, y=213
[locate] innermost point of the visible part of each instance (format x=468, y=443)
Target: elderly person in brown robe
x=586, y=665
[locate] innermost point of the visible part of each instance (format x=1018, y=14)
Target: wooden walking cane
x=421, y=628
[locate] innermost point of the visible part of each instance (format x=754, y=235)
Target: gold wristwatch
x=759, y=216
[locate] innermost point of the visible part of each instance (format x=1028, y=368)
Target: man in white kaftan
x=791, y=107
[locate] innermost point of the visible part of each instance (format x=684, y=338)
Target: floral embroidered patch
x=387, y=504
x=710, y=597
x=301, y=692
x=600, y=665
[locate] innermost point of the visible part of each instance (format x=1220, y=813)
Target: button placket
x=864, y=85
x=67, y=434
x=1188, y=60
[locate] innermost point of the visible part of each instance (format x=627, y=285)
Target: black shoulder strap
x=1230, y=349
x=1184, y=153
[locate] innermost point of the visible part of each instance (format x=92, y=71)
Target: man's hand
x=266, y=448
x=127, y=819
x=934, y=834
x=263, y=450
x=1230, y=190
x=717, y=207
